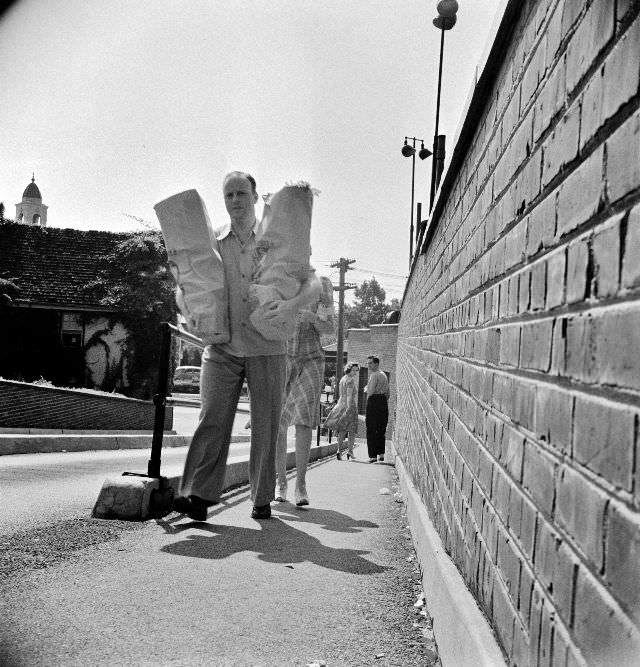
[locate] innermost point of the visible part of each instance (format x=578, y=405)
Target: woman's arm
x=282, y=312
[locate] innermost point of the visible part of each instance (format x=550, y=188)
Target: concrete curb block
x=47, y=444
x=139, y=498
x=462, y=631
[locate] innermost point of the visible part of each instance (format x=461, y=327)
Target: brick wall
x=518, y=353
x=24, y=405
x=384, y=343
x=359, y=347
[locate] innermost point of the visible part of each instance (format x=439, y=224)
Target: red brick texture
x=518, y=371
x=24, y=405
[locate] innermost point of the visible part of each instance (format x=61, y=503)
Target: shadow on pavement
x=328, y=519
x=275, y=541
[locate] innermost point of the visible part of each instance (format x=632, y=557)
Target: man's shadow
x=275, y=541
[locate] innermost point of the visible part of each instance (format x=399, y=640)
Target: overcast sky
x=118, y=104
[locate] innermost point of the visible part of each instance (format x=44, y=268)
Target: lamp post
x=423, y=154
x=446, y=19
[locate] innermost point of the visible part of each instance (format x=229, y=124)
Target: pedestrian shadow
x=327, y=519
x=275, y=541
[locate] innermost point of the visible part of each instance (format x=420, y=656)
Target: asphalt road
x=40, y=489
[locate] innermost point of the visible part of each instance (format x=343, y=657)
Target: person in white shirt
x=377, y=411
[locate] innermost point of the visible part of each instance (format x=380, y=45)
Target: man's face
x=239, y=199
x=371, y=365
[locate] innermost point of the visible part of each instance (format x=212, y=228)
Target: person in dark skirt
x=377, y=413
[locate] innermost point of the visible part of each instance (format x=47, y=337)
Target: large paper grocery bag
x=281, y=260
x=196, y=265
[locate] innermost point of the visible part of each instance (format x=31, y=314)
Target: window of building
x=71, y=330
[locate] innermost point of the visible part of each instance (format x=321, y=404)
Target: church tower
x=31, y=210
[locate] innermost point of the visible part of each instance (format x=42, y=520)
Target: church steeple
x=31, y=210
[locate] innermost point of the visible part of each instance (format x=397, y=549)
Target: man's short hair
x=374, y=359
x=246, y=175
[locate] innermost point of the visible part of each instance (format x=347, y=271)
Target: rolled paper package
x=196, y=265
x=281, y=260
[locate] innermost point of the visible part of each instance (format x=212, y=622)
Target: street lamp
x=423, y=154
x=446, y=19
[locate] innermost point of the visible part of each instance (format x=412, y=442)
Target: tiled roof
x=51, y=265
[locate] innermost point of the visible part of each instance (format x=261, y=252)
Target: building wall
x=384, y=342
x=24, y=405
x=359, y=346
x=381, y=341
x=518, y=364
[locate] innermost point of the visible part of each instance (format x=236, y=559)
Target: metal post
x=418, y=224
x=340, y=345
x=413, y=177
x=439, y=154
x=160, y=401
x=435, y=134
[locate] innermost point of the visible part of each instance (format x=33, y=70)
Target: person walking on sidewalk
x=343, y=418
x=225, y=366
x=377, y=411
x=305, y=379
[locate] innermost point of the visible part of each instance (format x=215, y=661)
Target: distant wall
x=380, y=341
x=24, y=405
x=519, y=343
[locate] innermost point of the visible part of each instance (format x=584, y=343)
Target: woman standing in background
x=343, y=418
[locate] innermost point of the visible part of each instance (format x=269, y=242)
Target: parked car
x=186, y=379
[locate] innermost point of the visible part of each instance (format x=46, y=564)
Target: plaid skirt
x=305, y=377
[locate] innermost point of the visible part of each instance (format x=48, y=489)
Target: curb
x=462, y=631
x=139, y=498
x=51, y=443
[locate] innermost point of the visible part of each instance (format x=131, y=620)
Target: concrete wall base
x=462, y=632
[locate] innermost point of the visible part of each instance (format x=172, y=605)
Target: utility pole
x=344, y=265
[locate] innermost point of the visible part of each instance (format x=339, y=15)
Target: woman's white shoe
x=302, y=498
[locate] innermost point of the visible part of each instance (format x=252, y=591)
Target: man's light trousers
x=220, y=385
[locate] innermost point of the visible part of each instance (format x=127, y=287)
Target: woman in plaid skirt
x=305, y=379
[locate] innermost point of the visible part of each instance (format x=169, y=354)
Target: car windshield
x=186, y=373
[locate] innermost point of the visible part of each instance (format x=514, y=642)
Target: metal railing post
x=160, y=401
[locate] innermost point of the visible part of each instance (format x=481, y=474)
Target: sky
x=116, y=105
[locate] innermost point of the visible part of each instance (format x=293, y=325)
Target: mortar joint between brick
x=634, y=457
x=574, y=587
x=605, y=530
x=623, y=245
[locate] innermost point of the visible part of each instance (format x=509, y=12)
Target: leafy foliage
x=8, y=292
x=369, y=307
x=134, y=278
x=3, y=219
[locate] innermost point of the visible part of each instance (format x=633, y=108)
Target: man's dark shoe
x=195, y=508
x=261, y=512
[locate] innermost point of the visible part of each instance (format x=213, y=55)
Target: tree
x=369, y=307
x=3, y=219
x=134, y=279
x=8, y=292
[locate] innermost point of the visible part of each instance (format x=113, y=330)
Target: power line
x=364, y=269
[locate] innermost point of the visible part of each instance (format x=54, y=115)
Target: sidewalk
x=333, y=583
